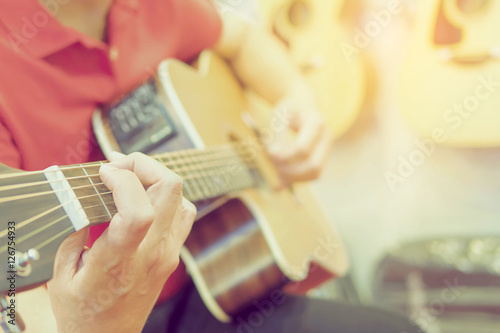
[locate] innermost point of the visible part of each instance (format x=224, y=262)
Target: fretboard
x=207, y=173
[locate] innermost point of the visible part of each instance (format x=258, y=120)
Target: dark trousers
x=186, y=313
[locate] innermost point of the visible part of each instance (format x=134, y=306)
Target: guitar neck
x=207, y=173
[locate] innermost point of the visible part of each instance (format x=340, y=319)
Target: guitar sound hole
x=445, y=33
x=298, y=13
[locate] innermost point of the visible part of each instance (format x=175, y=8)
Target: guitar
x=248, y=239
x=449, y=82
x=313, y=33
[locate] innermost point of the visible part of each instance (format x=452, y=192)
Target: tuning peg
x=28, y=257
x=24, y=260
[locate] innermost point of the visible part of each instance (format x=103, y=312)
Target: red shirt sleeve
x=200, y=27
x=9, y=154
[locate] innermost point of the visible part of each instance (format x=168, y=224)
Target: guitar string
x=209, y=171
x=5, y=248
x=166, y=156
x=52, y=223
x=37, y=231
x=179, y=161
x=50, y=240
x=167, y=161
x=35, y=218
x=194, y=167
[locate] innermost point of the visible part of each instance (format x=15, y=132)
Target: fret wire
x=213, y=175
x=101, y=184
x=219, y=180
x=190, y=184
x=98, y=217
x=98, y=205
x=186, y=184
x=197, y=195
x=204, y=180
x=186, y=187
x=230, y=182
x=217, y=186
x=200, y=178
x=224, y=178
x=171, y=160
x=238, y=181
x=112, y=198
x=98, y=194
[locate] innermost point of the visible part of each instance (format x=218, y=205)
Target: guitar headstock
x=33, y=224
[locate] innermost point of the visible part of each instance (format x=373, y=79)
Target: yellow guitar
x=312, y=31
x=451, y=78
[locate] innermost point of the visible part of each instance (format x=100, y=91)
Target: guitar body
x=247, y=243
x=312, y=31
x=453, y=87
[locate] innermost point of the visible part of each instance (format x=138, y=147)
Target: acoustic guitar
x=313, y=33
x=249, y=238
x=451, y=78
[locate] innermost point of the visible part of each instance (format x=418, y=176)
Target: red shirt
x=52, y=77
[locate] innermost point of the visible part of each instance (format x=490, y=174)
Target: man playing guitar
x=72, y=56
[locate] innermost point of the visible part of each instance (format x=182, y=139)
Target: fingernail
x=107, y=168
x=114, y=155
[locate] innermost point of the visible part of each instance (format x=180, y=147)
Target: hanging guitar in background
x=450, y=84
x=312, y=32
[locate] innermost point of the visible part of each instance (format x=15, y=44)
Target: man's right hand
x=113, y=286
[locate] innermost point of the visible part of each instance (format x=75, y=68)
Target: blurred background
x=412, y=89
